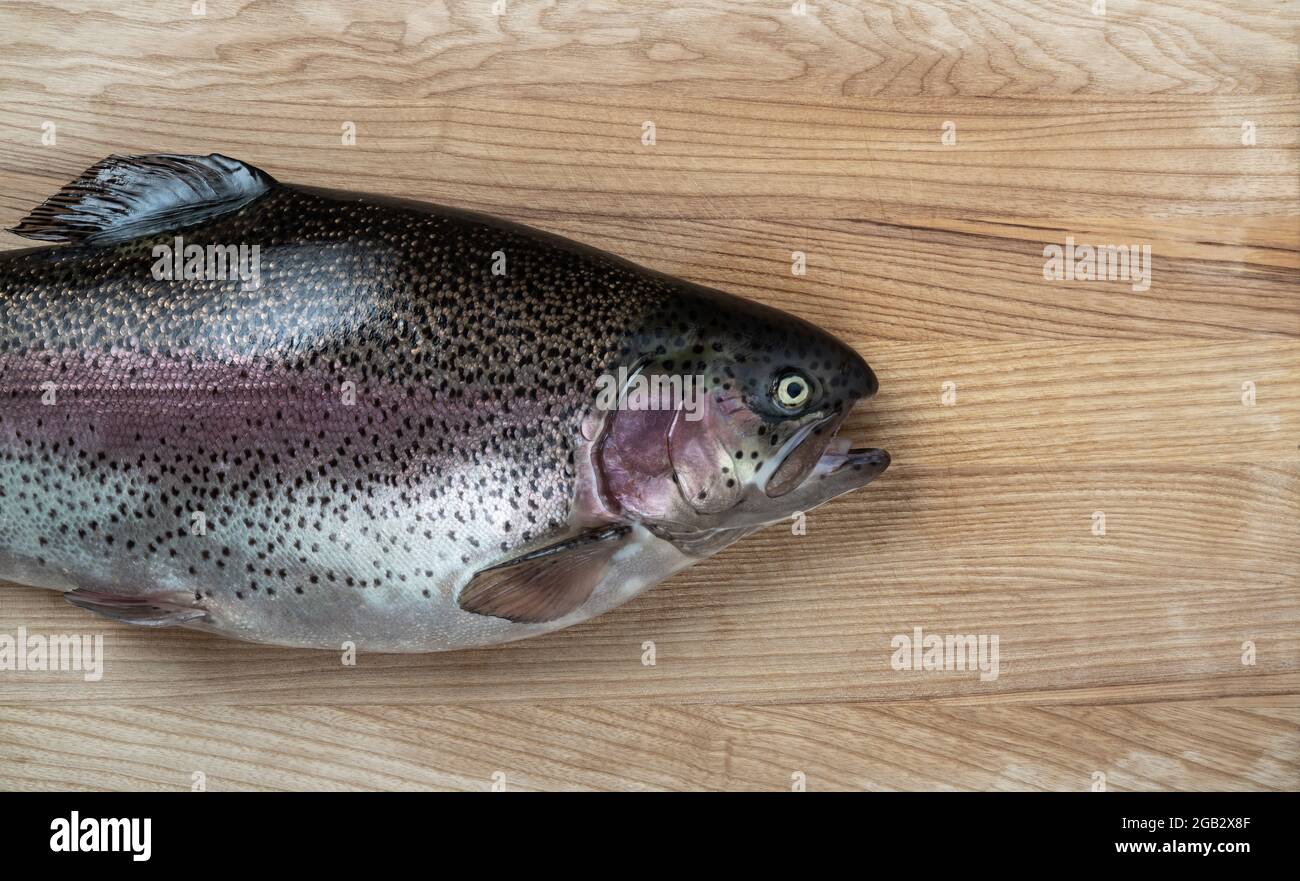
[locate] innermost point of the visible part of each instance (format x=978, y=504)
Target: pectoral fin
x=545, y=584
x=149, y=610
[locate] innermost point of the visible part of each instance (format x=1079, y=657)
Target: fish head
x=733, y=423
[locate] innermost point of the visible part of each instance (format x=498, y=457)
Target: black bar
x=623, y=831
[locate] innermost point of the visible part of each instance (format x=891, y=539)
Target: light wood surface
x=1121, y=654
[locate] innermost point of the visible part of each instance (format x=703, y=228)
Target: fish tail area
x=145, y=610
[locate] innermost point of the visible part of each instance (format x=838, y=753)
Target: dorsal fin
x=123, y=197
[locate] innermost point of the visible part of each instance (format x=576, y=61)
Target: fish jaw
x=838, y=471
x=831, y=466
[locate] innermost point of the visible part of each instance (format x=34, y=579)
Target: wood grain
x=536, y=152
x=408, y=50
x=841, y=746
x=1126, y=654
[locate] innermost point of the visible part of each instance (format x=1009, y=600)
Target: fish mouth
x=817, y=451
x=840, y=455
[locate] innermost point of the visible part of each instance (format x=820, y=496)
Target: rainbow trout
x=305, y=417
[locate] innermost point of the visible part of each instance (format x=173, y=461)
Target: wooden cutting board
x=1102, y=474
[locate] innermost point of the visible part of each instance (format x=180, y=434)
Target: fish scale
x=382, y=418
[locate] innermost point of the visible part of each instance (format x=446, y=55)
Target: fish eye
x=792, y=390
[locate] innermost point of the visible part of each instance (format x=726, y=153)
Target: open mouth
x=840, y=454
x=816, y=451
